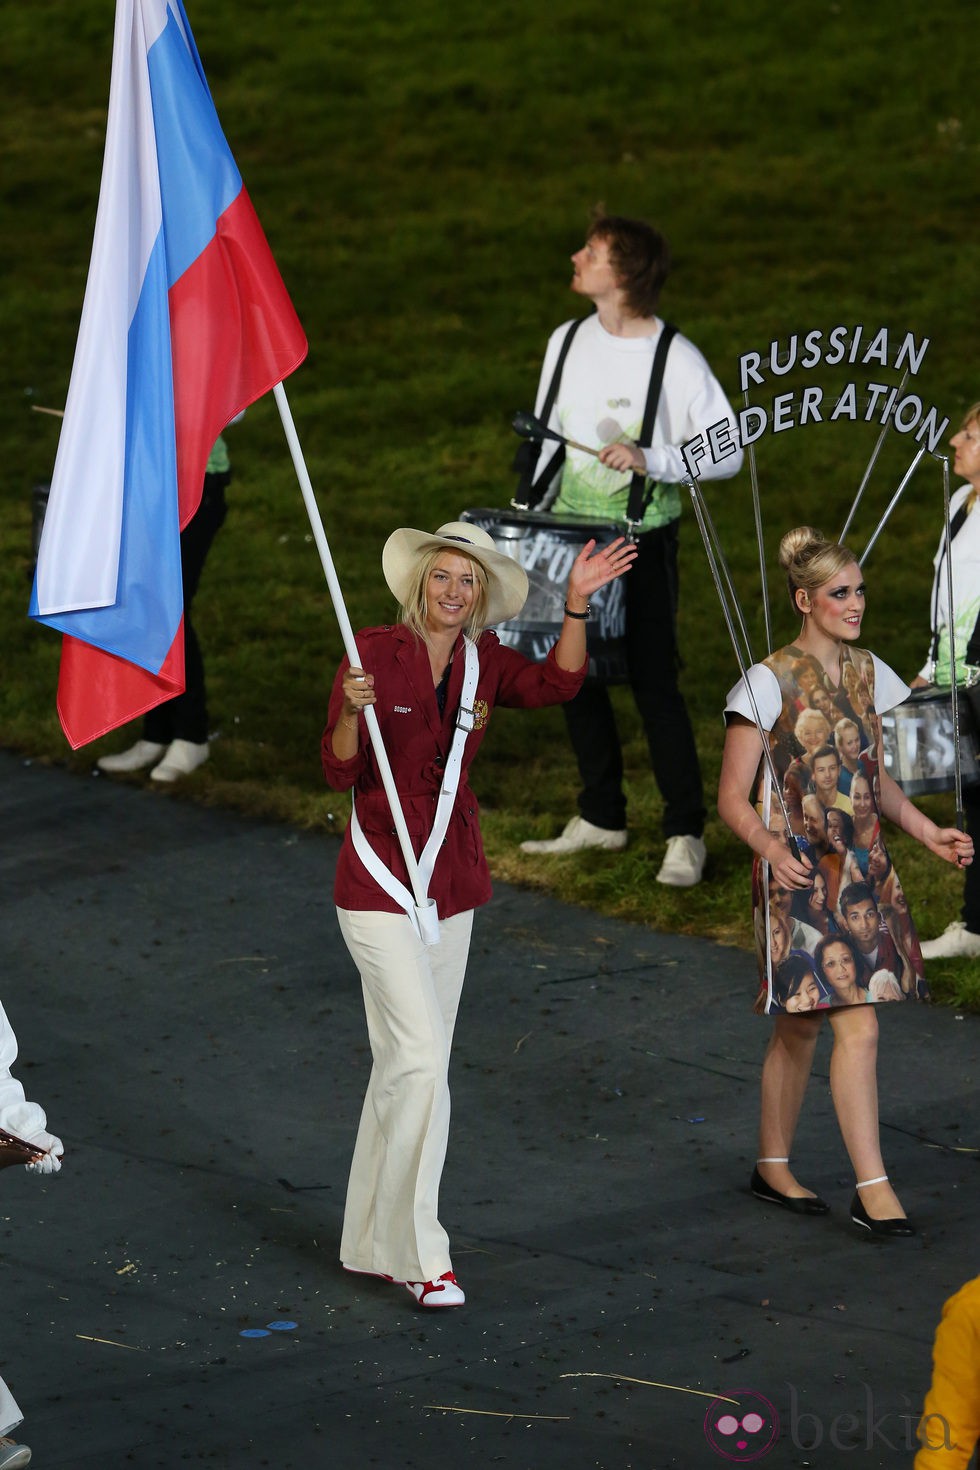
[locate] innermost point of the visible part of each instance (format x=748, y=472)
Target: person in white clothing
x=626, y=382
x=13, y=1456
x=827, y=591
x=961, y=939
x=26, y=1120
x=21, y=1122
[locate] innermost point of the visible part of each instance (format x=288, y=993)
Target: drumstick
x=57, y=413
x=529, y=427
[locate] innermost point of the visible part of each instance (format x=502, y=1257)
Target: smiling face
x=825, y=772
x=835, y=827
x=856, y=690
x=450, y=593
x=817, y=902
x=836, y=608
x=807, y=998
x=812, y=730
x=848, y=743
x=820, y=699
x=877, y=860
x=861, y=798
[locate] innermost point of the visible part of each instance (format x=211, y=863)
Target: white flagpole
x=424, y=906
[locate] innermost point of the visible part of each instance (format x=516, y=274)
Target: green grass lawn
x=423, y=172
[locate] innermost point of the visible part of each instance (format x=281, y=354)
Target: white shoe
x=13, y=1456
x=578, y=835
x=143, y=753
x=956, y=942
x=182, y=757
x=446, y=1292
x=683, y=863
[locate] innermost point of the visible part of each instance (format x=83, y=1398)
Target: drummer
x=960, y=939
x=606, y=387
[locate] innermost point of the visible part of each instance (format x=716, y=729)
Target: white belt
x=426, y=920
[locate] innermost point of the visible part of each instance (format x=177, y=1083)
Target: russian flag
x=185, y=322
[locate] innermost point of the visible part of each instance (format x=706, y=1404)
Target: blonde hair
x=971, y=416
x=809, y=560
x=413, y=611
x=811, y=718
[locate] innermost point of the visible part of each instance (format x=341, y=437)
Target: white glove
x=51, y=1163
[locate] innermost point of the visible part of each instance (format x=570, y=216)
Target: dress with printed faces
x=855, y=925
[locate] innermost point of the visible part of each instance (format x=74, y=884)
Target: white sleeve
x=890, y=690
x=768, y=699
x=692, y=401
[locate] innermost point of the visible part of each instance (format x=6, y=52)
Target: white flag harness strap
x=384, y=878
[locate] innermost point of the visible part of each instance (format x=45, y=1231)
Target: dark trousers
x=652, y=662
x=185, y=717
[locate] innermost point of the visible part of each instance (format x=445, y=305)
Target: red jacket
x=417, y=739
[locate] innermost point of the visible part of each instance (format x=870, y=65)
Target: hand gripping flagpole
x=716, y=562
x=426, y=916
x=951, y=630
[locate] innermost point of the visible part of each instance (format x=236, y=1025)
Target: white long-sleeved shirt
x=966, y=591
x=602, y=399
x=17, y=1115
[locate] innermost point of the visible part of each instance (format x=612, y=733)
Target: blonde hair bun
x=796, y=542
x=809, y=560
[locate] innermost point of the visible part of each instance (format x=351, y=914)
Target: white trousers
x=17, y=1115
x=411, y=995
x=10, y=1415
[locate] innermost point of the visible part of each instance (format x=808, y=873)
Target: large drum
x=546, y=545
x=917, y=737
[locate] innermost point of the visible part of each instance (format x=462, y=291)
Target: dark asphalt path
x=190, y=1019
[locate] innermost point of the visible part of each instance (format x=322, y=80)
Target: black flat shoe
x=896, y=1228
x=798, y=1204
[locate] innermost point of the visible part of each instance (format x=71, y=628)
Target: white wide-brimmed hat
x=506, y=578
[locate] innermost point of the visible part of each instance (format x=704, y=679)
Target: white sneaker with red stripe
x=446, y=1292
